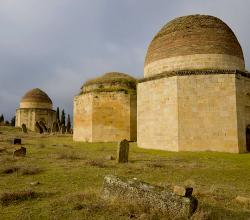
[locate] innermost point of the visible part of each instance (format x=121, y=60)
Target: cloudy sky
x=56, y=45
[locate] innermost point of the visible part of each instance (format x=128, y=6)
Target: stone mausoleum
x=106, y=109
x=35, y=106
x=195, y=94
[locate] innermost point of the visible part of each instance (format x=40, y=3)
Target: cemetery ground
x=70, y=176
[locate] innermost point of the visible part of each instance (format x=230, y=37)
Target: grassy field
x=71, y=176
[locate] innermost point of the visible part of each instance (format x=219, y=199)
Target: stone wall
x=105, y=117
x=200, y=112
x=158, y=114
x=30, y=116
x=43, y=105
x=83, y=107
x=196, y=61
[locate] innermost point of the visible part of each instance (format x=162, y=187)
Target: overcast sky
x=56, y=45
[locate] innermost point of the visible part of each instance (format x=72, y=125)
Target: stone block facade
x=105, y=117
x=195, y=62
x=30, y=116
x=195, y=111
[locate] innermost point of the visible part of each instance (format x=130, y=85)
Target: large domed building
x=195, y=94
x=35, y=106
x=106, y=109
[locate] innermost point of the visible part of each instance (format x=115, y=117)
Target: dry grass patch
x=66, y=155
x=23, y=170
x=98, y=162
x=7, y=198
x=40, y=145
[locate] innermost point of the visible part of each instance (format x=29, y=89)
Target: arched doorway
x=248, y=138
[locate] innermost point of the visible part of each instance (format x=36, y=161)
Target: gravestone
x=59, y=124
x=14, y=140
x=63, y=129
x=21, y=152
x=39, y=128
x=43, y=126
x=49, y=130
x=54, y=127
x=24, y=129
x=181, y=207
x=122, y=151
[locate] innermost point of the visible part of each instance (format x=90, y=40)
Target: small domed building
x=35, y=106
x=195, y=94
x=106, y=109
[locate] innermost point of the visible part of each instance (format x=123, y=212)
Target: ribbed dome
x=186, y=37
x=110, y=80
x=36, y=98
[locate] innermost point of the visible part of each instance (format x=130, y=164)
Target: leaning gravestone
x=54, y=127
x=63, y=129
x=14, y=140
x=43, y=126
x=59, y=124
x=122, y=151
x=21, y=152
x=39, y=128
x=181, y=207
x=24, y=129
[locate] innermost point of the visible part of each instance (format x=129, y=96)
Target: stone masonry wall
x=243, y=109
x=207, y=113
x=83, y=117
x=202, y=112
x=105, y=116
x=112, y=119
x=43, y=105
x=196, y=61
x=30, y=116
x=157, y=109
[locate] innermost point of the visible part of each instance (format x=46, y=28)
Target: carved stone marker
x=54, y=127
x=14, y=140
x=155, y=196
x=21, y=152
x=43, y=126
x=24, y=129
x=63, y=129
x=59, y=124
x=39, y=128
x=122, y=151
x=49, y=130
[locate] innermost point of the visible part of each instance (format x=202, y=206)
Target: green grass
x=71, y=176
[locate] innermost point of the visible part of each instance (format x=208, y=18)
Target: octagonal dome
x=110, y=82
x=194, y=42
x=36, y=98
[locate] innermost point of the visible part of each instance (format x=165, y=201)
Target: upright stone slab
x=157, y=197
x=59, y=124
x=122, y=151
x=43, y=126
x=63, y=129
x=20, y=152
x=39, y=128
x=24, y=129
x=49, y=130
x=54, y=127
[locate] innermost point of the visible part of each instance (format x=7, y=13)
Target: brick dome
x=194, y=42
x=36, y=98
x=110, y=81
